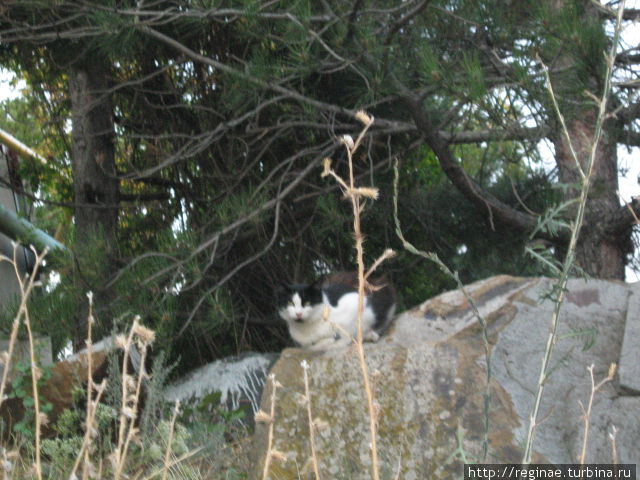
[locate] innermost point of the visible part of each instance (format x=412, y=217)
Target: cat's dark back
x=379, y=293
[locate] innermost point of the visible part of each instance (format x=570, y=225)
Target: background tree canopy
x=185, y=141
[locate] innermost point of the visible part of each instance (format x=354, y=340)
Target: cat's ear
x=282, y=291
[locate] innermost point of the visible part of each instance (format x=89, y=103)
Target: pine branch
x=480, y=197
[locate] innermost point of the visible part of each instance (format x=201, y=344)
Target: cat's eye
x=290, y=304
x=307, y=304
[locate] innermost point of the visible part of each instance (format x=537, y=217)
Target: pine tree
x=216, y=116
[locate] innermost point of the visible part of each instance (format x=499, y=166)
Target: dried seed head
x=304, y=364
x=121, y=341
x=263, y=417
x=326, y=167
x=612, y=370
x=363, y=118
x=367, y=192
x=145, y=334
x=128, y=412
x=44, y=418
x=278, y=456
x=347, y=140
x=129, y=382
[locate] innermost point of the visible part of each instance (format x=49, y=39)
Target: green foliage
x=61, y=451
x=221, y=195
x=22, y=389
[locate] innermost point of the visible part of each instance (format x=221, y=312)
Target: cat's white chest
x=345, y=313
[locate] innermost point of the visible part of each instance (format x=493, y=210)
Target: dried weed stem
x=586, y=412
x=312, y=426
x=90, y=428
x=269, y=418
x=355, y=195
x=26, y=286
x=474, y=307
x=561, y=284
x=141, y=338
x=167, y=454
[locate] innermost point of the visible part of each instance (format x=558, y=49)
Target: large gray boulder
x=429, y=374
x=238, y=381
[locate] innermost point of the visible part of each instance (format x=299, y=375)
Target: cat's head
x=298, y=303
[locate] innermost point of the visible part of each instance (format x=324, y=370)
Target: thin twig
x=312, y=427
x=36, y=372
x=474, y=307
x=271, y=419
x=167, y=453
x=587, y=411
x=614, y=449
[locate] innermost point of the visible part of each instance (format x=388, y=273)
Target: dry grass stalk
x=586, y=412
x=26, y=286
x=561, y=284
x=312, y=425
x=614, y=448
x=90, y=433
x=131, y=390
x=167, y=453
x=355, y=195
x=141, y=338
x=472, y=303
x=270, y=418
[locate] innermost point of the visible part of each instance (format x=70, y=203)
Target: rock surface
x=429, y=374
x=66, y=376
x=239, y=381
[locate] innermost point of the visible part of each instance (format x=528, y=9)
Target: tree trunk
x=94, y=174
x=600, y=252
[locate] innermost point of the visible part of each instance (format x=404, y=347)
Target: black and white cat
x=324, y=315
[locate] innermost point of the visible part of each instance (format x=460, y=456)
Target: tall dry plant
x=26, y=285
x=269, y=419
x=94, y=395
x=357, y=196
x=139, y=338
x=568, y=263
x=586, y=411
